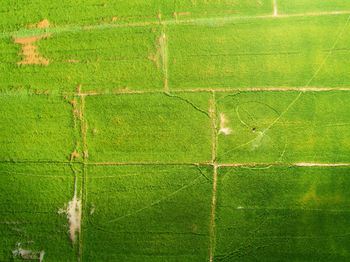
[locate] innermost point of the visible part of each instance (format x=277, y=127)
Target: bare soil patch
x=42, y=24
x=29, y=50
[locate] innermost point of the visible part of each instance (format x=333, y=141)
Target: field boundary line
x=309, y=164
x=39, y=162
x=178, y=164
x=163, y=45
x=213, y=127
x=219, y=90
x=275, y=11
x=175, y=21
x=212, y=217
x=148, y=164
x=83, y=187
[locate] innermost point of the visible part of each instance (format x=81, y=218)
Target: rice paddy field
x=175, y=130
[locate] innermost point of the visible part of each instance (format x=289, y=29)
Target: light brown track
x=83, y=193
x=213, y=127
x=220, y=90
x=212, y=217
x=218, y=165
x=283, y=164
x=146, y=164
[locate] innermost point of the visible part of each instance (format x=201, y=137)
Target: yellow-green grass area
x=282, y=214
x=260, y=52
x=156, y=127
x=36, y=127
x=66, y=12
x=289, y=127
x=306, y=6
x=31, y=195
x=103, y=59
x=147, y=213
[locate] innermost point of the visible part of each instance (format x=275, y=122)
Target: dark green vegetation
x=200, y=130
x=282, y=213
x=31, y=195
x=147, y=213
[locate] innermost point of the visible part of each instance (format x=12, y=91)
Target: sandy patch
x=184, y=13
x=223, y=129
x=42, y=24
x=29, y=50
x=73, y=211
x=28, y=254
x=92, y=210
x=74, y=155
x=73, y=103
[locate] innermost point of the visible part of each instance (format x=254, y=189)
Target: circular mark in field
x=262, y=140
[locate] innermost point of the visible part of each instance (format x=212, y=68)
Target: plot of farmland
x=200, y=130
x=31, y=194
x=282, y=213
x=122, y=199
x=314, y=129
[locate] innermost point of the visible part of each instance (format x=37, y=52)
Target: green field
x=313, y=129
x=282, y=213
x=176, y=198
x=186, y=130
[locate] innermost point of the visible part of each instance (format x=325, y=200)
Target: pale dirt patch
x=92, y=210
x=183, y=13
x=74, y=155
x=157, y=55
x=86, y=155
x=73, y=103
x=73, y=211
x=223, y=129
x=28, y=254
x=29, y=51
x=42, y=24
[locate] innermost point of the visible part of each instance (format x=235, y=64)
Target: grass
x=115, y=58
x=148, y=128
x=257, y=52
x=298, y=213
x=95, y=11
x=35, y=127
x=31, y=195
x=147, y=213
x=129, y=118
x=313, y=129
x=302, y=6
